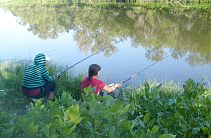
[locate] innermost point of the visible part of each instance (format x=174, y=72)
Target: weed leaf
x=7, y=133
x=167, y=136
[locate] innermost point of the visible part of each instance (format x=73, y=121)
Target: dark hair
x=93, y=70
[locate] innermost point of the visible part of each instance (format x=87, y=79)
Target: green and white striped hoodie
x=36, y=74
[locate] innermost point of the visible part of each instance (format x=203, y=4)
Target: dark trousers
x=44, y=90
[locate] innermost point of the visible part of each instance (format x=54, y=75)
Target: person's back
x=36, y=74
x=37, y=83
x=94, y=83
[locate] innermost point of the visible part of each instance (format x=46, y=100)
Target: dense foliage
x=153, y=110
x=169, y=1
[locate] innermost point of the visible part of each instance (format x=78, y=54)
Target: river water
x=68, y=33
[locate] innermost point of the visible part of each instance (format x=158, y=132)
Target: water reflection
x=97, y=26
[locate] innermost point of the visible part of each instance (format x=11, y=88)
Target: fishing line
x=50, y=51
x=145, y=69
x=30, y=55
x=47, y=48
x=57, y=75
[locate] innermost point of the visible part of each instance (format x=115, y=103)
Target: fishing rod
x=58, y=74
x=112, y=94
x=146, y=68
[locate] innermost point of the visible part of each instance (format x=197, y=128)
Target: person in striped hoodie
x=37, y=83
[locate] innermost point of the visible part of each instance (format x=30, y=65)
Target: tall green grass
x=11, y=77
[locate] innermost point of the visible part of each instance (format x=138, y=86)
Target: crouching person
x=37, y=83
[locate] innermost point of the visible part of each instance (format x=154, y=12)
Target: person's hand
x=117, y=85
x=53, y=77
x=111, y=84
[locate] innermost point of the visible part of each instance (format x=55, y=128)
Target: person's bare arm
x=111, y=87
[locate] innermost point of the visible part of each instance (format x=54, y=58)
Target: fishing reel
x=126, y=85
x=57, y=75
x=112, y=94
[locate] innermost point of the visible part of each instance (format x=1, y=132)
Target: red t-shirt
x=93, y=82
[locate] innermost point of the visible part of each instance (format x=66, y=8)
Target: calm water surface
x=69, y=33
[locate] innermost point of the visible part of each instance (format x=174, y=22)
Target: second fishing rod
x=125, y=81
x=58, y=74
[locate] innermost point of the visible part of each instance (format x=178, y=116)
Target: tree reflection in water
x=153, y=26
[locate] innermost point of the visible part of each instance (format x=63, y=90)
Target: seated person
x=37, y=83
x=93, y=72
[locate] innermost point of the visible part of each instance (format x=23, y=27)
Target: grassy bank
x=11, y=77
x=152, y=110
x=59, y=1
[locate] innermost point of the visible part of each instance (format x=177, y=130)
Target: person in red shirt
x=93, y=73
